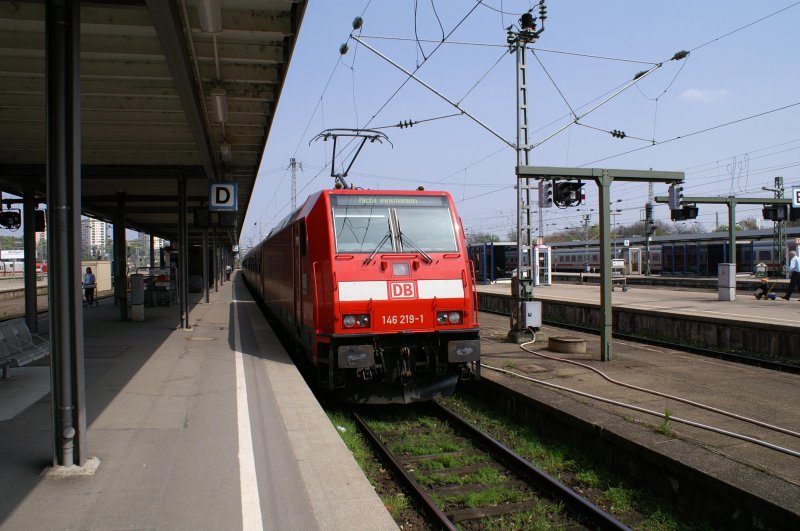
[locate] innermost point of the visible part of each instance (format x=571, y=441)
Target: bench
x=18, y=346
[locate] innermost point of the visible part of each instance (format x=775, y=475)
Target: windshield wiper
x=378, y=247
x=406, y=239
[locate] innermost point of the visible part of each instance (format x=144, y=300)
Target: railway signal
x=649, y=223
x=567, y=193
x=683, y=213
x=775, y=212
x=545, y=194
x=675, y=196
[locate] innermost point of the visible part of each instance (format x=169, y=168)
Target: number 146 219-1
x=403, y=319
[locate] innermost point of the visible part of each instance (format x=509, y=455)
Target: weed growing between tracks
x=421, y=437
x=632, y=506
x=459, y=476
x=400, y=506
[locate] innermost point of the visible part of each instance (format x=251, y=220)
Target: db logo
x=402, y=290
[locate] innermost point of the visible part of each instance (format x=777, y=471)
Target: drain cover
x=200, y=338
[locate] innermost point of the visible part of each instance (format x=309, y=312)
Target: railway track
x=464, y=479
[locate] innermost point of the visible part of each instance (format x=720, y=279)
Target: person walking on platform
x=794, y=272
x=89, y=286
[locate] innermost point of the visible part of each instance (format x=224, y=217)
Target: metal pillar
x=523, y=290
x=221, y=268
x=62, y=29
x=216, y=260
x=732, y=230
x=120, y=259
x=779, y=234
x=29, y=244
x=152, y=251
x=205, y=265
x=183, y=253
x=604, y=192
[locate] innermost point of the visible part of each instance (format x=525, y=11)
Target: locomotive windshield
x=371, y=224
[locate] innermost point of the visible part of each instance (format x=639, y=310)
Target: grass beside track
x=630, y=505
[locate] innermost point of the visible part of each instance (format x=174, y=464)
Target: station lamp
x=219, y=100
x=225, y=152
x=209, y=14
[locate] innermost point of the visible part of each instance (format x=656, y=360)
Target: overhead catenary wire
x=687, y=135
x=383, y=106
x=542, y=51
x=505, y=46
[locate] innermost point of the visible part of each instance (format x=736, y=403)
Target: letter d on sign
x=222, y=196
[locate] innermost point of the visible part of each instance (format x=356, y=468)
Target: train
x=376, y=291
x=696, y=254
x=16, y=268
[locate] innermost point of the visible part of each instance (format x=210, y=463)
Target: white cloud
x=707, y=95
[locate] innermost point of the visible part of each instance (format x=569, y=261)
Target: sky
x=726, y=115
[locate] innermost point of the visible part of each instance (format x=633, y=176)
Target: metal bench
x=18, y=346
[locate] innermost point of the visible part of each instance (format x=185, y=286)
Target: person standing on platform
x=89, y=286
x=794, y=272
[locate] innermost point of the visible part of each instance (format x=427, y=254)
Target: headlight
x=444, y=318
x=357, y=321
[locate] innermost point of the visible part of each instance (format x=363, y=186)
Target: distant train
x=376, y=290
x=684, y=254
x=10, y=268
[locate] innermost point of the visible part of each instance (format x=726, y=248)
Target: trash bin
x=726, y=282
x=137, y=297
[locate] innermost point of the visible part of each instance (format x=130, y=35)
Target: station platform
x=769, y=478
x=208, y=428
x=682, y=301
x=682, y=460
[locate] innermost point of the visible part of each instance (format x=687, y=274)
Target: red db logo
x=402, y=290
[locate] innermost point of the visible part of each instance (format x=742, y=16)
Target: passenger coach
x=377, y=291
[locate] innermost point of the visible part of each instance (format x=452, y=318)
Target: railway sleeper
x=462, y=515
x=455, y=490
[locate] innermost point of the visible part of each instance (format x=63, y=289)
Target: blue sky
x=727, y=77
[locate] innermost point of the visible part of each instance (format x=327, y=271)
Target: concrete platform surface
x=681, y=301
x=211, y=428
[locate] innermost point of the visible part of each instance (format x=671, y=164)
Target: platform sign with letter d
x=222, y=196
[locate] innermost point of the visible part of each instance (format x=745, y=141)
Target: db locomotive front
x=377, y=291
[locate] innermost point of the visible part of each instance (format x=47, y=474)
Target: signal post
x=567, y=184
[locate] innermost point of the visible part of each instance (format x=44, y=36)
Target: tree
x=750, y=223
x=482, y=237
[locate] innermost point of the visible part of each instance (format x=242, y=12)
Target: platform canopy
x=168, y=88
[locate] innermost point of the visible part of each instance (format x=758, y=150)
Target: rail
x=515, y=466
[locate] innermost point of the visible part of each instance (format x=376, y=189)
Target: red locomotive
x=377, y=290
